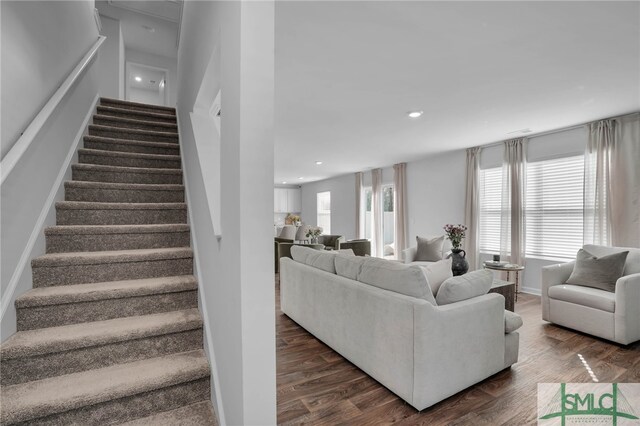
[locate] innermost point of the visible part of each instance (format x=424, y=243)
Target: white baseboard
x=531, y=290
x=219, y=409
x=38, y=227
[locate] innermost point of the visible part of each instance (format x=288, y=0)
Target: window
x=324, y=211
x=554, y=207
x=368, y=214
x=388, y=220
x=490, y=209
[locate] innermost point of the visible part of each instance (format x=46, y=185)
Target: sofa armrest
x=409, y=254
x=456, y=345
x=553, y=275
x=627, y=314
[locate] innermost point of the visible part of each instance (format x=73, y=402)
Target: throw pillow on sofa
x=598, y=272
x=409, y=280
x=429, y=249
x=463, y=287
x=437, y=273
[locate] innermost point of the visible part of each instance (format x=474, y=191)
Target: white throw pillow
x=437, y=273
x=409, y=280
x=464, y=287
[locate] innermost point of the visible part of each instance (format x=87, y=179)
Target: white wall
x=111, y=59
x=236, y=272
x=343, y=204
x=29, y=192
x=42, y=41
x=146, y=96
x=170, y=64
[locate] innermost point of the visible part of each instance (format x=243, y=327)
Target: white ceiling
x=348, y=72
x=147, y=26
x=151, y=78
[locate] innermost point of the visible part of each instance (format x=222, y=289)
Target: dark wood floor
x=317, y=386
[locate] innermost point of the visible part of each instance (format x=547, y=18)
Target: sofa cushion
x=598, y=272
x=463, y=287
x=318, y=259
x=437, y=273
x=429, y=249
x=585, y=296
x=631, y=266
x=349, y=266
x=409, y=280
x=512, y=321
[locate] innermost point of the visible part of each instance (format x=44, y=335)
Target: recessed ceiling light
x=415, y=114
x=300, y=178
x=318, y=163
x=138, y=78
x=284, y=183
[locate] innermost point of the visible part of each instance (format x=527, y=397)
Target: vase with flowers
x=313, y=234
x=455, y=234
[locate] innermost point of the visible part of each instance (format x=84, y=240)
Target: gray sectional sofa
x=422, y=352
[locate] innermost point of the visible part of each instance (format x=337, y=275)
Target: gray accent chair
x=288, y=232
x=331, y=242
x=285, y=248
x=612, y=316
x=276, y=250
x=359, y=247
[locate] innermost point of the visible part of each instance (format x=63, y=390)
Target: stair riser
x=132, y=407
x=125, y=177
x=101, y=195
x=171, y=119
x=125, y=241
x=124, y=134
x=160, y=127
x=137, y=108
x=125, y=147
x=120, y=217
x=20, y=370
x=108, y=160
x=46, y=276
x=30, y=318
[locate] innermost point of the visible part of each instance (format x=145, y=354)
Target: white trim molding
x=25, y=257
x=26, y=138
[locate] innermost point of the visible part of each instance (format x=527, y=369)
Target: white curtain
x=472, y=206
x=359, y=212
x=612, y=182
x=400, y=207
x=512, y=223
x=377, y=243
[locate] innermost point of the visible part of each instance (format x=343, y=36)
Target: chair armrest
x=553, y=275
x=409, y=254
x=627, y=314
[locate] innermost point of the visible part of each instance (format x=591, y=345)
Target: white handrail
x=22, y=144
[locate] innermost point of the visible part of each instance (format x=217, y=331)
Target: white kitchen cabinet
x=287, y=200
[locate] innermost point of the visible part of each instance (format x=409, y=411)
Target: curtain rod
x=550, y=132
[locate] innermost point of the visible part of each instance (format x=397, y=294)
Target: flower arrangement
x=314, y=233
x=292, y=219
x=456, y=234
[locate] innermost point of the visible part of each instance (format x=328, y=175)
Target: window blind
x=554, y=207
x=490, y=209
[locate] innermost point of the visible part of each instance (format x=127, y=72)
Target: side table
x=508, y=268
x=508, y=290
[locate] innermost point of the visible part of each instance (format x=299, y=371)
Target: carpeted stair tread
x=31, y=400
x=68, y=337
x=125, y=122
x=123, y=186
x=125, y=104
x=133, y=134
x=115, y=229
x=120, y=169
x=199, y=414
x=141, y=115
x=116, y=256
x=64, y=294
x=130, y=145
x=128, y=159
x=91, y=205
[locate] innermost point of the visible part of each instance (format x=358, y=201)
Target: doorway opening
x=146, y=84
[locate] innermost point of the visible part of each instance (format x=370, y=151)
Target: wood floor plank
x=316, y=385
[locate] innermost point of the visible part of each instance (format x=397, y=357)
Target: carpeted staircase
x=111, y=333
